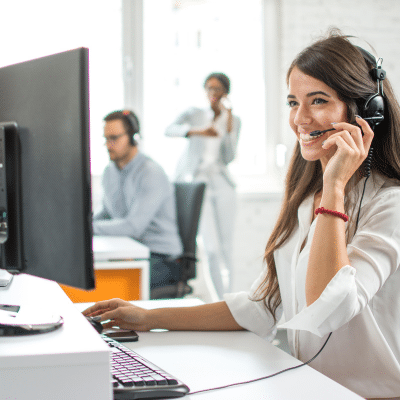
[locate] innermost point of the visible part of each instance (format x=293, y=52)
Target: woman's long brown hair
x=341, y=66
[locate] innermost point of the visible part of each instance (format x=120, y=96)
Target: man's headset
x=373, y=109
x=133, y=124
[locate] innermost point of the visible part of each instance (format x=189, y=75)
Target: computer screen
x=45, y=209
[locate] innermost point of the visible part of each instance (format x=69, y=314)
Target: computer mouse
x=94, y=321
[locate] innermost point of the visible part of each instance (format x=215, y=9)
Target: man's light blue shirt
x=139, y=201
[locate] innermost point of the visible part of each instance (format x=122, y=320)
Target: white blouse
x=205, y=155
x=360, y=305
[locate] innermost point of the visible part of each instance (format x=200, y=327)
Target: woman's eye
x=319, y=101
x=292, y=103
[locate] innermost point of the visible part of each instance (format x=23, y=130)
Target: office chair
x=189, y=199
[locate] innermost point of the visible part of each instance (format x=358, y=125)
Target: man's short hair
x=129, y=120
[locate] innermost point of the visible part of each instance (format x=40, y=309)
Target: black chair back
x=189, y=199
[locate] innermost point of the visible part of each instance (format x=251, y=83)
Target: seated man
x=138, y=200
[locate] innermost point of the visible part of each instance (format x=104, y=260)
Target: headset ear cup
x=135, y=127
x=134, y=123
x=374, y=110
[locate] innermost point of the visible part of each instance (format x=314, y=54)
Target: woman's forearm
x=229, y=125
x=328, y=252
x=206, y=317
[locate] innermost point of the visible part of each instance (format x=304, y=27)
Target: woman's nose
x=302, y=116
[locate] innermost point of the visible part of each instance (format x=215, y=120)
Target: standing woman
x=212, y=135
x=332, y=260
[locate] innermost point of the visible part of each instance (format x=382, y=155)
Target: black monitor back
x=48, y=99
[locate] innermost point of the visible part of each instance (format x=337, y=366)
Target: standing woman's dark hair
x=226, y=83
x=340, y=65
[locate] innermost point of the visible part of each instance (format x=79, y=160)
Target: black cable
x=268, y=376
x=368, y=162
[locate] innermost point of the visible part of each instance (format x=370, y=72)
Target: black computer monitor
x=45, y=186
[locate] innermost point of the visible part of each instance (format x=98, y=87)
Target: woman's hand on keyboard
x=121, y=313
x=204, y=317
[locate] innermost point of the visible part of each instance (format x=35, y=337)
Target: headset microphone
x=317, y=133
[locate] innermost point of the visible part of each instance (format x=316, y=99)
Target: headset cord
x=368, y=162
x=268, y=376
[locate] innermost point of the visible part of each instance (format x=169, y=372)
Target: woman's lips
x=306, y=138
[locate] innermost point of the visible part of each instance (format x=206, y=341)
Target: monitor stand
x=24, y=318
x=5, y=278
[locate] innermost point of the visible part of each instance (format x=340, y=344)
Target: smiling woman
x=313, y=106
x=328, y=84
x=332, y=278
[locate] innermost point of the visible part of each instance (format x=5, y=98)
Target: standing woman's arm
x=230, y=140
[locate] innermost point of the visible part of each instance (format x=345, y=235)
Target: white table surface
x=205, y=360
x=70, y=363
x=106, y=248
x=123, y=253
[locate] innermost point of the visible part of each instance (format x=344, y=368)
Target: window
x=183, y=42
x=39, y=28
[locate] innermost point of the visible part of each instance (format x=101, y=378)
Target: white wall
x=256, y=215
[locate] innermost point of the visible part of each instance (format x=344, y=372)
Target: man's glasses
x=113, y=138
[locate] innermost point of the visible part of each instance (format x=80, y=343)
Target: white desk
x=204, y=360
x=72, y=363
x=118, y=248
x=121, y=252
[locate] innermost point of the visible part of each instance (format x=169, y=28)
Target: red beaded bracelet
x=323, y=210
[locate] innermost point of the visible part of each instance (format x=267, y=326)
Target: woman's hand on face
x=120, y=313
x=352, y=150
x=225, y=104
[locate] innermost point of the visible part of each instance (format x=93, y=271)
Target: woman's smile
x=313, y=106
x=306, y=138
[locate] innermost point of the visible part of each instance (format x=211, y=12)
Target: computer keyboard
x=134, y=377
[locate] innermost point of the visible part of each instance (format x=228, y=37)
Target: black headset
x=372, y=109
x=134, y=125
